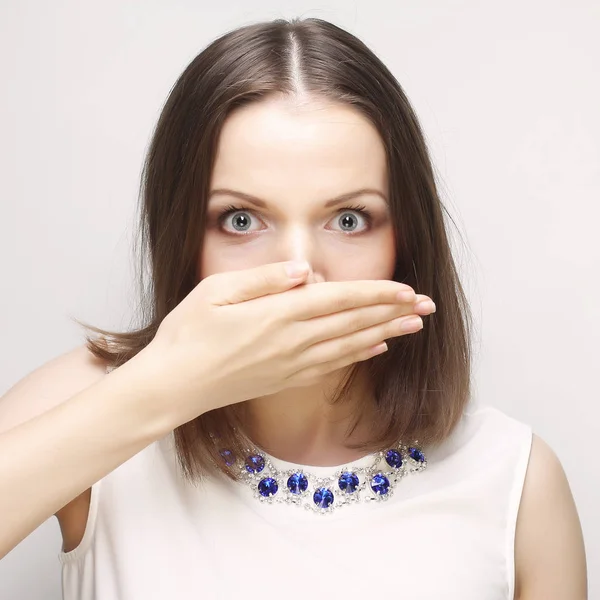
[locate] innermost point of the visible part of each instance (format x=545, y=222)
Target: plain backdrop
x=508, y=95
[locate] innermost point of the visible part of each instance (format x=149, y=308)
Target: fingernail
x=379, y=349
x=427, y=305
x=412, y=324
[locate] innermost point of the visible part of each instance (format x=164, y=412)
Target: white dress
x=446, y=532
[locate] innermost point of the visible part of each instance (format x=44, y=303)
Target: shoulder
x=549, y=554
x=495, y=433
x=549, y=550
x=49, y=385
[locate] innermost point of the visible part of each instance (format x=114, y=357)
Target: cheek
x=217, y=256
x=206, y=263
x=375, y=259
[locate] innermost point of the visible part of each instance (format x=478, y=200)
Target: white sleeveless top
x=447, y=532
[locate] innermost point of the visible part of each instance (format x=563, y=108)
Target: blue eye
x=349, y=221
x=242, y=219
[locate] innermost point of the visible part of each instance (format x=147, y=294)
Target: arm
x=53, y=448
x=549, y=550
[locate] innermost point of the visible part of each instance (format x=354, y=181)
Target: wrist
x=142, y=385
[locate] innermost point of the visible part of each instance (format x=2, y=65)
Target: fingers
x=318, y=299
x=310, y=375
x=233, y=287
x=357, y=343
x=349, y=321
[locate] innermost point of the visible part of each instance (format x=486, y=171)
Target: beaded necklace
x=348, y=485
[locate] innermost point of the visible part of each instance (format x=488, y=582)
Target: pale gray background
x=508, y=93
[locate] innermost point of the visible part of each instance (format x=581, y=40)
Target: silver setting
x=363, y=493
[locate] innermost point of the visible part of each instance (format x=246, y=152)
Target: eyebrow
x=332, y=202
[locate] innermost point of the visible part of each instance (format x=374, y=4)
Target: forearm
x=52, y=458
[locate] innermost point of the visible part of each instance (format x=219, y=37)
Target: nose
x=299, y=244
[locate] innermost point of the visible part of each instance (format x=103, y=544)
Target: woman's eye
x=350, y=221
x=239, y=221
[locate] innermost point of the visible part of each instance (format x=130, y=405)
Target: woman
x=257, y=435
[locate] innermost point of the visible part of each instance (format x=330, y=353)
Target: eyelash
x=359, y=208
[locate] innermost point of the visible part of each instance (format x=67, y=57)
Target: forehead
x=277, y=144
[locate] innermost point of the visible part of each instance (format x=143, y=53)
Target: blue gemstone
x=255, y=463
x=323, y=497
x=228, y=456
x=416, y=454
x=380, y=484
x=393, y=458
x=297, y=483
x=267, y=487
x=348, y=482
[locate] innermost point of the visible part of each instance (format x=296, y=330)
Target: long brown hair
x=422, y=384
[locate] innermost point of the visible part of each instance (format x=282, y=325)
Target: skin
x=550, y=560
x=294, y=155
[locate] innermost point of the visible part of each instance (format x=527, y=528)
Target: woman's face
x=292, y=162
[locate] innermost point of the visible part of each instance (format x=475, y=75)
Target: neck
x=301, y=425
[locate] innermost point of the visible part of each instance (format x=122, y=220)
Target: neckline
x=318, y=470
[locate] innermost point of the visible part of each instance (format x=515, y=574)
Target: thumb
x=247, y=284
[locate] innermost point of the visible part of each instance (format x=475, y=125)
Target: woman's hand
x=244, y=334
